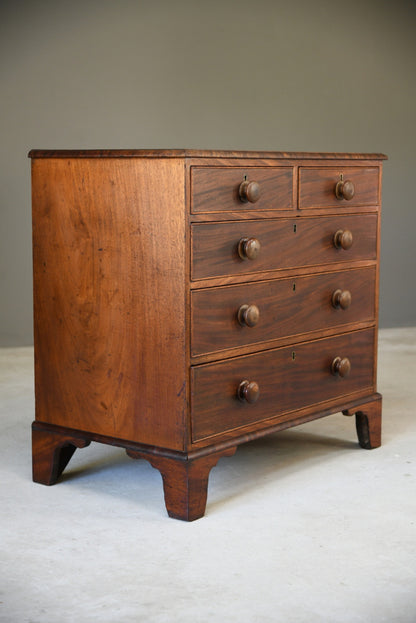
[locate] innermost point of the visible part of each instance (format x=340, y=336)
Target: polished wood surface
x=217, y=189
x=368, y=423
x=345, y=189
x=286, y=307
x=318, y=187
x=187, y=301
x=199, y=153
x=343, y=239
x=249, y=191
x=283, y=243
x=109, y=265
x=51, y=452
x=185, y=482
x=287, y=378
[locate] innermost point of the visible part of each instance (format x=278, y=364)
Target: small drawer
x=220, y=189
x=249, y=389
x=233, y=316
x=338, y=187
x=245, y=247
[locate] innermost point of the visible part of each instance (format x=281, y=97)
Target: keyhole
x=293, y=355
x=294, y=228
x=294, y=287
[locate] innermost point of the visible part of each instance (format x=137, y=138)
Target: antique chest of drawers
x=186, y=302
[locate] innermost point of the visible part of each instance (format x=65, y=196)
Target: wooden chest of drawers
x=186, y=302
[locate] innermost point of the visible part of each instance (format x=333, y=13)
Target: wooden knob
x=248, y=315
x=249, y=191
x=341, y=299
x=248, y=248
x=345, y=190
x=343, y=239
x=248, y=391
x=341, y=367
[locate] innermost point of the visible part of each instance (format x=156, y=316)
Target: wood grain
x=288, y=307
x=285, y=243
x=138, y=282
x=198, y=153
x=185, y=482
x=109, y=265
x=215, y=189
x=317, y=186
x=289, y=379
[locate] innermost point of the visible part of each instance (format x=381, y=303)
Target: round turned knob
x=343, y=239
x=248, y=315
x=341, y=298
x=345, y=190
x=249, y=191
x=341, y=367
x=248, y=248
x=248, y=391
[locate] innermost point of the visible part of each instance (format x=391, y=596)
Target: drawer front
x=318, y=187
x=252, y=313
x=216, y=189
x=217, y=248
x=288, y=379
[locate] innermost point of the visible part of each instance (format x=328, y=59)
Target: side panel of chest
x=109, y=266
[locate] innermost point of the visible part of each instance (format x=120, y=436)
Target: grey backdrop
x=324, y=75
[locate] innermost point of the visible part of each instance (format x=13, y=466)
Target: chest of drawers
x=186, y=302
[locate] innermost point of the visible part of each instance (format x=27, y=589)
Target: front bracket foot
x=185, y=481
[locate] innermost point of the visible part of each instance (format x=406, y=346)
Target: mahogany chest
x=186, y=302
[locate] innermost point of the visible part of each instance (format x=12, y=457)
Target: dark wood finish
x=368, y=422
x=286, y=307
x=187, y=301
x=287, y=377
x=51, y=452
x=249, y=191
x=248, y=248
x=341, y=367
x=198, y=153
x=341, y=299
x=248, y=315
x=284, y=243
x=317, y=187
x=185, y=482
x=343, y=239
x=345, y=189
x=217, y=189
x=248, y=391
x=185, y=477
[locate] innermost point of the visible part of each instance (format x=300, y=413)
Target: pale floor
x=302, y=526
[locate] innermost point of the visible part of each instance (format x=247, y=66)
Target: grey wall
x=320, y=75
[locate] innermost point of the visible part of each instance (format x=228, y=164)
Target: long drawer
x=244, y=247
x=284, y=379
x=252, y=313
